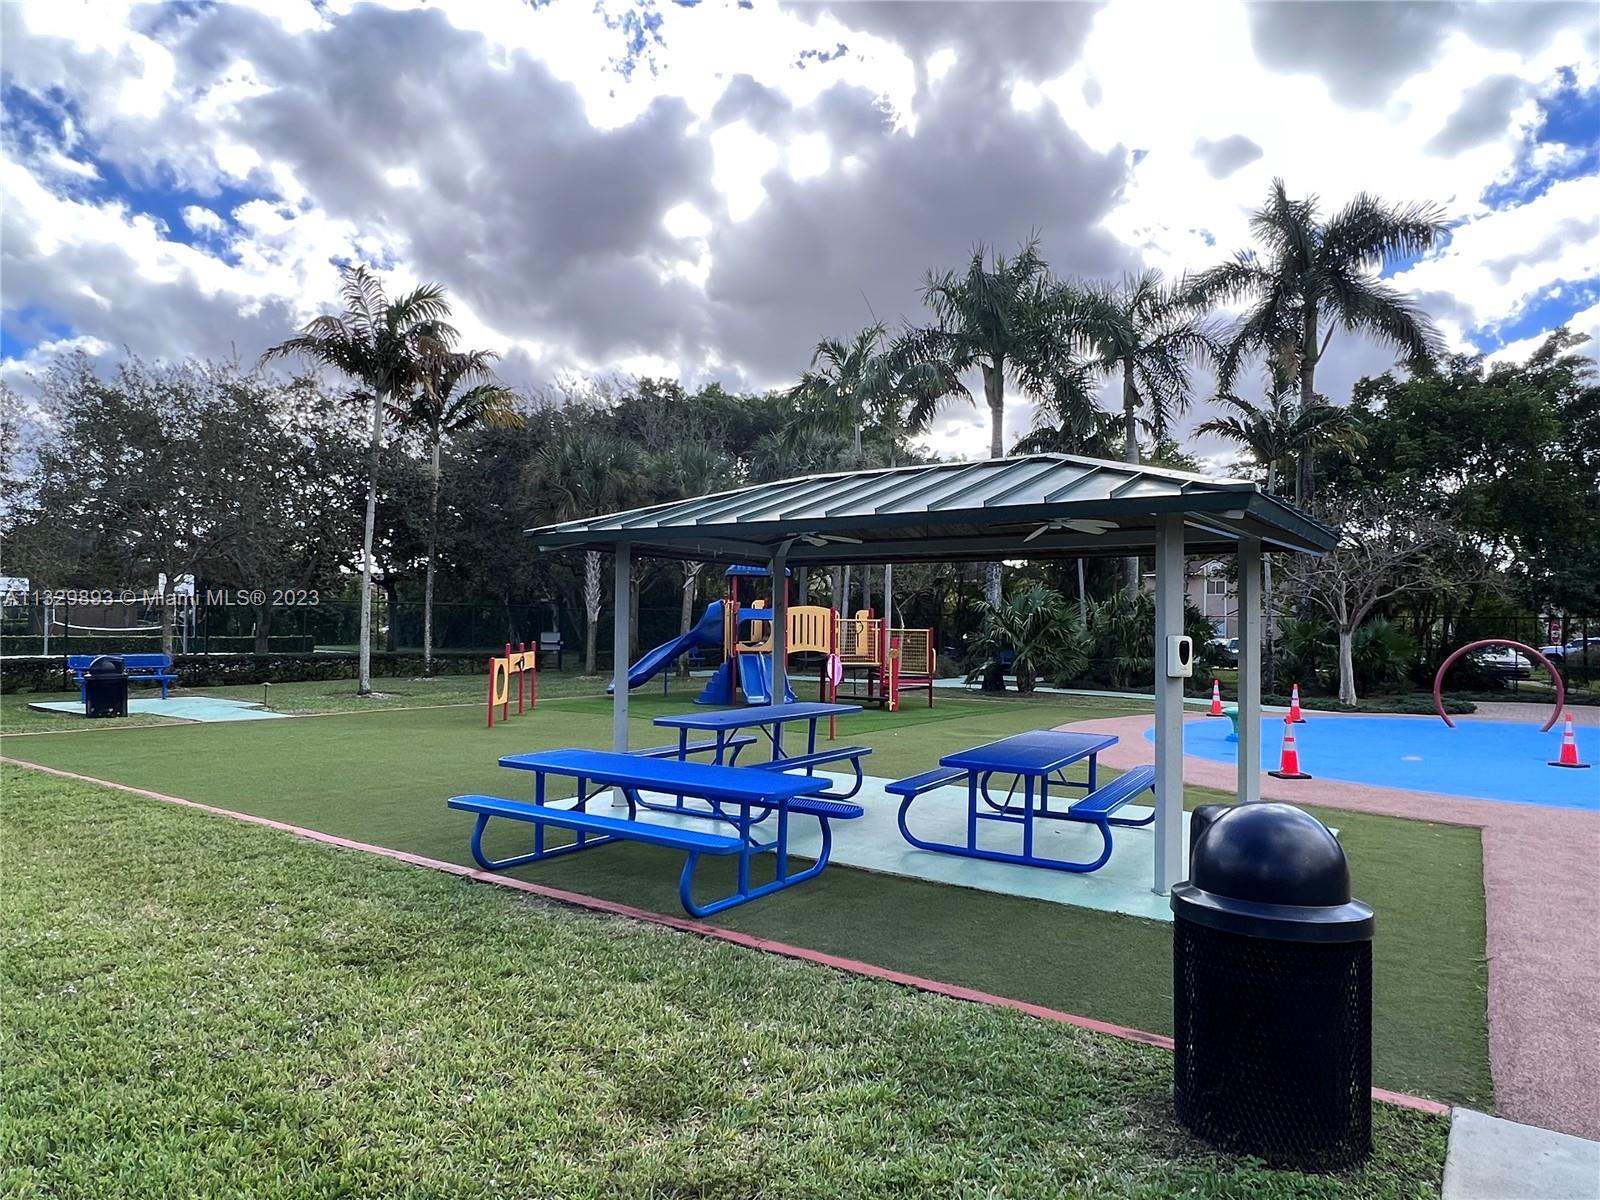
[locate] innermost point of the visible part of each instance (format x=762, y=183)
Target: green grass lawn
x=200, y=1008
x=383, y=777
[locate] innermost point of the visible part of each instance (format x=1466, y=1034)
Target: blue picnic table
x=1034, y=762
x=770, y=719
x=738, y=797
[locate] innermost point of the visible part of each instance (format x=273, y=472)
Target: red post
x=505, y=708
x=533, y=684
x=522, y=673
x=491, y=693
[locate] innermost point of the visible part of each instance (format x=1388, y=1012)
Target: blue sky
x=705, y=190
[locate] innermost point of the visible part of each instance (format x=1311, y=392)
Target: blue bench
x=810, y=762
x=141, y=668
x=682, y=750
x=917, y=784
x=740, y=797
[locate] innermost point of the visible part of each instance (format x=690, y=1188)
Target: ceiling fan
x=1077, y=525
x=822, y=539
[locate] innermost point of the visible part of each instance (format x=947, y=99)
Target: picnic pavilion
x=1041, y=506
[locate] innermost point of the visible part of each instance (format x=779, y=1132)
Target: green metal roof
x=945, y=512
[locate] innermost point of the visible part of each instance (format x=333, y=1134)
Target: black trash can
x=1201, y=818
x=1272, y=992
x=105, y=688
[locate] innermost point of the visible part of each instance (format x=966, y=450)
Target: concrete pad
x=180, y=708
x=874, y=843
x=1494, y=1159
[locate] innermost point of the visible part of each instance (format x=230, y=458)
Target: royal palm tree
x=1281, y=431
x=996, y=316
x=459, y=394
x=1311, y=276
x=585, y=472
x=381, y=344
x=1150, y=334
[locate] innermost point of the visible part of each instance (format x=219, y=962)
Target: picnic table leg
x=1027, y=814
x=972, y=810
x=1093, y=786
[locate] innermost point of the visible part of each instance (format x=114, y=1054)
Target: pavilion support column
x=1249, y=670
x=621, y=610
x=1169, y=867
x=780, y=626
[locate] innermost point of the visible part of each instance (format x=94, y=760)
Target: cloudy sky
x=705, y=189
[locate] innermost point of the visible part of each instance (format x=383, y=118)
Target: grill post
x=1272, y=992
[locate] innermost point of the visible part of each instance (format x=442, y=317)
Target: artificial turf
x=201, y=1008
x=383, y=777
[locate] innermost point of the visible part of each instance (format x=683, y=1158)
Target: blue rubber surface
x=1484, y=760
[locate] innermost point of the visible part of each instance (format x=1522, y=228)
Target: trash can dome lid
x=1272, y=854
x=1272, y=870
x=106, y=664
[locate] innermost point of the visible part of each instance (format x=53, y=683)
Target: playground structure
x=524, y=664
x=876, y=663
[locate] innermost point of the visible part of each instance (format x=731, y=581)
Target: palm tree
x=588, y=471
x=458, y=394
x=997, y=318
x=381, y=344
x=1150, y=334
x=863, y=384
x=1311, y=273
x=1280, y=431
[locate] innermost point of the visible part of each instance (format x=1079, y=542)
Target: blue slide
x=755, y=679
x=706, y=634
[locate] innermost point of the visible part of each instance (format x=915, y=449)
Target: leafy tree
x=382, y=345
x=1311, y=276
x=1382, y=555
x=458, y=394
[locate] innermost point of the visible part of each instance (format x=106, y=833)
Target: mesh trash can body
x=105, y=688
x=1272, y=992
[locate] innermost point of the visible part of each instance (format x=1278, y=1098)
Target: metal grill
x=1274, y=1045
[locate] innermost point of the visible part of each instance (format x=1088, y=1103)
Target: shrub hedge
x=33, y=644
x=50, y=674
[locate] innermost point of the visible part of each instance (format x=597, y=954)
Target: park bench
x=739, y=797
x=810, y=762
x=140, y=668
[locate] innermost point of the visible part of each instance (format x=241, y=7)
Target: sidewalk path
x=1541, y=879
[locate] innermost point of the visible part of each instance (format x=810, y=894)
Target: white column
x=619, y=649
x=780, y=627
x=1249, y=670
x=1169, y=707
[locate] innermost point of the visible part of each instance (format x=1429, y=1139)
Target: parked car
x=1572, y=649
x=1224, y=651
x=1505, y=661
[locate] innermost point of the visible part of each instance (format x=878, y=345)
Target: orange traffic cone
x=1569, y=748
x=1289, y=761
x=1216, y=697
x=1295, y=714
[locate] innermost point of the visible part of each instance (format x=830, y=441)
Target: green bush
x=215, y=670
x=1382, y=653
x=145, y=644
x=1035, y=627
x=1307, y=651
x=1122, y=640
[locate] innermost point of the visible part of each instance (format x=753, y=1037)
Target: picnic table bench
x=770, y=720
x=1034, y=760
x=740, y=798
x=140, y=668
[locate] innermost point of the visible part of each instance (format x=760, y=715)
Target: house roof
x=1005, y=508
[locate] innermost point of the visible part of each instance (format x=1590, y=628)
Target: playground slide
x=708, y=633
x=755, y=679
